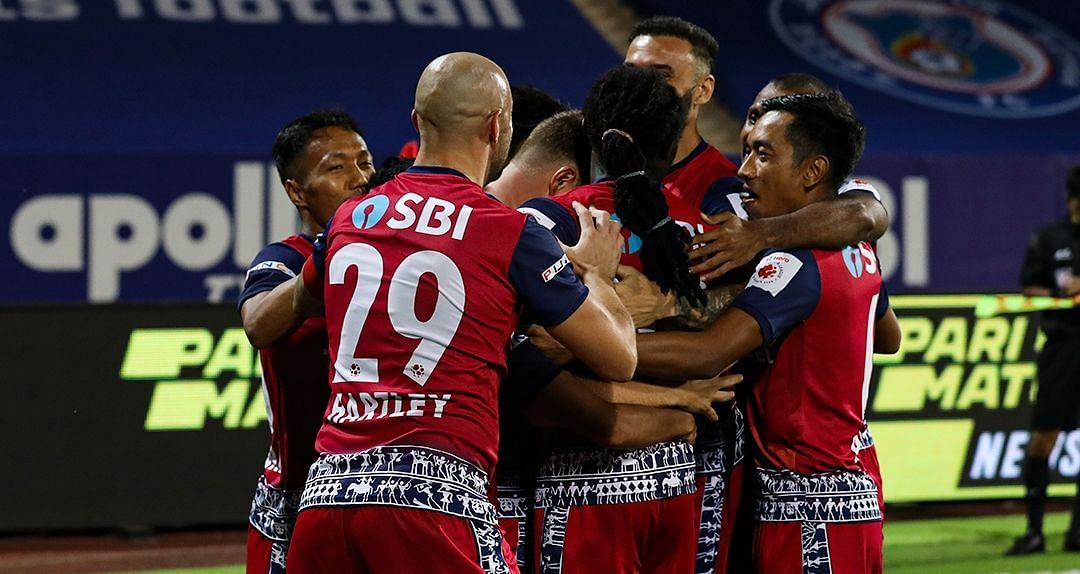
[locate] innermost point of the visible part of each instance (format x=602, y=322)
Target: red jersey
x=557, y=214
x=707, y=181
x=425, y=277
x=294, y=370
x=816, y=310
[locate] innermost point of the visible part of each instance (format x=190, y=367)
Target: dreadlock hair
x=823, y=124
x=633, y=119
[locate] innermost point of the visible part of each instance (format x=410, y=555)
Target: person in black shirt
x=1052, y=268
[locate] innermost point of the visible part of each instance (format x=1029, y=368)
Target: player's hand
x=732, y=244
x=700, y=394
x=643, y=298
x=600, y=244
x=547, y=344
x=688, y=428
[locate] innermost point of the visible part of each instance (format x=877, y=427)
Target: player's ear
x=564, y=179
x=415, y=121
x=705, y=90
x=815, y=171
x=295, y=192
x=494, y=127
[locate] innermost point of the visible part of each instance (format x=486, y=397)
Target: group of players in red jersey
x=404, y=389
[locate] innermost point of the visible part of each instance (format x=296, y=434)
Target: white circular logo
x=968, y=56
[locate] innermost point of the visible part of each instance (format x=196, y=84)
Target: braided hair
x=633, y=119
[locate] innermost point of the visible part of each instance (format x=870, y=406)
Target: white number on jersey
x=434, y=334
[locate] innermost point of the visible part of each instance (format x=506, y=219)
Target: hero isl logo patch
x=767, y=272
x=775, y=271
x=968, y=56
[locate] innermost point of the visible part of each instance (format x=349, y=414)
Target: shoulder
x=859, y=186
x=777, y=269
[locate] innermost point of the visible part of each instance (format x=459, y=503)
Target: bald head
x=460, y=88
x=463, y=99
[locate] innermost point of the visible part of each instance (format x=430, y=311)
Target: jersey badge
x=775, y=271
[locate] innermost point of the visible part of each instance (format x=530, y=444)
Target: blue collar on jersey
x=434, y=169
x=701, y=146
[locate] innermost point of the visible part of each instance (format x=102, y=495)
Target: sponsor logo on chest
x=424, y=215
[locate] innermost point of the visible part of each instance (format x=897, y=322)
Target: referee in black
x=1052, y=268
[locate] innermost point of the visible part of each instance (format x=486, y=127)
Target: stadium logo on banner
x=968, y=56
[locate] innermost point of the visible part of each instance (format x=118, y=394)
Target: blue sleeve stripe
x=762, y=321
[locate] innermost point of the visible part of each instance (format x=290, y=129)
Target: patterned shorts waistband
x=720, y=446
x=406, y=476
x=514, y=501
x=273, y=511
x=841, y=496
x=577, y=477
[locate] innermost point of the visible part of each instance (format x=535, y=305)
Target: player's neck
x=688, y=142
x=309, y=225
x=472, y=163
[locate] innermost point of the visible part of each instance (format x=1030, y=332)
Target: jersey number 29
x=434, y=334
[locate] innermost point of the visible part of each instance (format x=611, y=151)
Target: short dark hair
x=389, y=169
x=702, y=43
x=824, y=123
x=295, y=137
x=799, y=83
x=531, y=106
x=561, y=137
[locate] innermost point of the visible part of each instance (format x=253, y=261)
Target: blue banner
x=135, y=134
x=926, y=76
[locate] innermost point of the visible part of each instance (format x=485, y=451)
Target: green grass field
x=948, y=546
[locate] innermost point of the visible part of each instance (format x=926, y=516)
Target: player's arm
x=599, y=331
x=699, y=354
x=269, y=316
x=647, y=304
x=566, y=403
x=717, y=298
x=695, y=396
x=553, y=398
x=783, y=291
x=266, y=308
x=852, y=217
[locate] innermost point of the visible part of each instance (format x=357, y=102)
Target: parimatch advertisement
x=135, y=415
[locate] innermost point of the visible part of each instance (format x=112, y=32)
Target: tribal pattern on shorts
x=489, y=548
x=553, y=541
x=712, y=510
x=815, y=549
x=719, y=448
x=841, y=496
x=405, y=476
x=515, y=504
x=581, y=477
x=273, y=511
x=513, y=501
